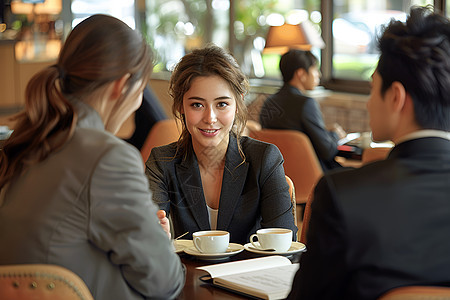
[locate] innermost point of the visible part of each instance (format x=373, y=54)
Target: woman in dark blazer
x=213, y=178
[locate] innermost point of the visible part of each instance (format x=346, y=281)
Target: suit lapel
x=191, y=185
x=233, y=182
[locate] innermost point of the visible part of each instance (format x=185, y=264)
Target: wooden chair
x=417, y=293
x=300, y=161
x=373, y=154
x=162, y=133
x=292, y=194
x=306, y=218
x=40, y=281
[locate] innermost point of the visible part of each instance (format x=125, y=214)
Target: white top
x=424, y=133
x=212, y=213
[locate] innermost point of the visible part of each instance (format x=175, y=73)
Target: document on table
x=266, y=278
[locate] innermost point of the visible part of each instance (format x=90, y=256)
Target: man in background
x=291, y=109
x=387, y=224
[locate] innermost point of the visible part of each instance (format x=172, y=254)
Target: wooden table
x=199, y=290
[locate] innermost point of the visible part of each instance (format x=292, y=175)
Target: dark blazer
x=290, y=109
x=148, y=114
x=379, y=227
x=254, y=193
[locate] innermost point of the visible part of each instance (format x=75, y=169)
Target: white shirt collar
x=424, y=133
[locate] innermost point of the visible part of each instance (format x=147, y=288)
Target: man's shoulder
x=368, y=175
x=281, y=109
x=286, y=96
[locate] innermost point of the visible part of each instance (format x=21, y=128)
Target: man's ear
x=398, y=96
x=300, y=73
x=118, y=86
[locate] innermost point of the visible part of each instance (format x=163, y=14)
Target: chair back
x=162, y=133
x=373, y=154
x=292, y=194
x=306, y=218
x=300, y=161
x=417, y=293
x=40, y=281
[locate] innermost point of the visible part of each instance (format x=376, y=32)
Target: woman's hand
x=165, y=224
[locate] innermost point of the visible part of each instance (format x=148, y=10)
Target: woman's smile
x=209, y=108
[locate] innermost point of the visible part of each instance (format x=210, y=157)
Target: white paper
x=272, y=283
x=245, y=265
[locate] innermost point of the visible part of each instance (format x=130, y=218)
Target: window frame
x=338, y=84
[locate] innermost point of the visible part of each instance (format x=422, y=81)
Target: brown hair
x=211, y=60
x=99, y=50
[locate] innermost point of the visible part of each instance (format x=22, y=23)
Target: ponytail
x=47, y=122
x=98, y=51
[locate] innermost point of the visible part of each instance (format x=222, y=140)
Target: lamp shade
x=51, y=7
x=287, y=36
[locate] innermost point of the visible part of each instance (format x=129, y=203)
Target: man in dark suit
x=387, y=224
x=291, y=109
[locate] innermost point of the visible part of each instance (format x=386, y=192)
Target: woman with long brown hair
x=213, y=177
x=72, y=193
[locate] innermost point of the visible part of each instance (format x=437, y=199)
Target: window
x=177, y=26
x=291, y=12
x=355, y=29
x=121, y=9
x=348, y=27
x=355, y=26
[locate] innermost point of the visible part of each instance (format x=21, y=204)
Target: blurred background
x=342, y=33
x=174, y=27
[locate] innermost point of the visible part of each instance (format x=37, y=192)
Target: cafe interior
x=341, y=34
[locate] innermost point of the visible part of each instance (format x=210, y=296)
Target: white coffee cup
x=211, y=241
x=279, y=239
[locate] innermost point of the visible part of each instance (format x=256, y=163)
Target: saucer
x=295, y=248
x=180, y=245
x=232, y=250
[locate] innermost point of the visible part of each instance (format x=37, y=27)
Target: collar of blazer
x=429, y=148
x=234, y=175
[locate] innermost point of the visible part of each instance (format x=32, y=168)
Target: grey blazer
x=87, y=207
x=254, y=193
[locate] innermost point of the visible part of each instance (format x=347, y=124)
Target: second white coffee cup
x=279, y=239
x=211, y=241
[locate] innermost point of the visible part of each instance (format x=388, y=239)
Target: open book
x=267, y=277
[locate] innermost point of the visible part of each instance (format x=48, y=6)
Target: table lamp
x=301, y=36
